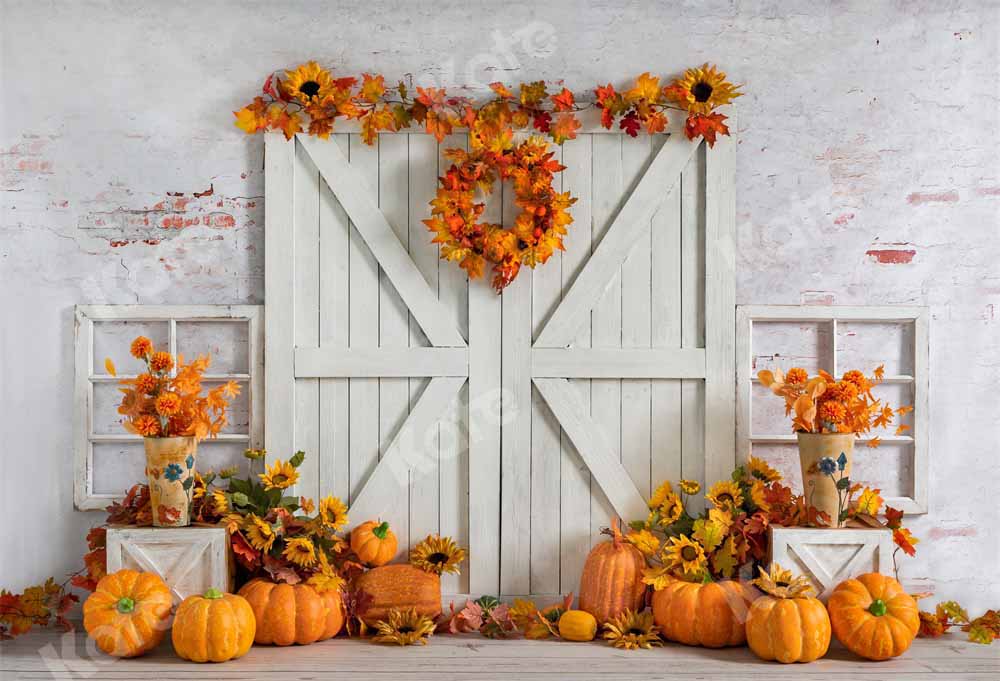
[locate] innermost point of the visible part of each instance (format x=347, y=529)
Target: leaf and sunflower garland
x=310, y=99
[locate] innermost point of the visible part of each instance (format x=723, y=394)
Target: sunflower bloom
x=141, y=347
x=725, y=494
x=220, y=502
x=757, y=495
x=404, y=627
x=632, y=630
x=300, y=551
x=280, y=475
x=684, y=554
x=161, y=362
x=690, y=486
x=671, y=509
x=660, y=494
x=259, y=532
x=146, y=425
x=307, y=83
x=701, y=90
x=168, y=404
x=437, y=554
x=760, y=469
x=332, y=512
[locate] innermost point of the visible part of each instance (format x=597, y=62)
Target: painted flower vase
x=825, y=459
x=170, y=471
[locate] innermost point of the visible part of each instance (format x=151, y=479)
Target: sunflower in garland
x=725, y=494
x=684, y=554
x=404, y=627
x=437, y=554
x=632, y=630
x=701, y=90
x=308, y=83
x=280, y=475
x=300, y=551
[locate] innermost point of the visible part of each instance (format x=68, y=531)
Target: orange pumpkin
x=872, y=616
x=711, y=615
x=288, y=614
x=128, y=613
x=611, y=582
x=787, y=624
x=400, y=587
x=374, y=543
x=213, y=628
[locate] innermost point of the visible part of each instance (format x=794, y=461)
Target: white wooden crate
x=829, y=556
x=189, y=559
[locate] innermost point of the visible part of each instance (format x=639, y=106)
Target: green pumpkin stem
x=381, y=530
x=125, y=605
x=213, y=593
x=877, y=607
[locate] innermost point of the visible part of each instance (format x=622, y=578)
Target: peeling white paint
x=866, y=126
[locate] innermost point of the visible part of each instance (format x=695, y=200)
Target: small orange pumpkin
x=611, y=582
x=128, y=613
x=399, y=587
x=374, y=543
x=288, y=614
x=787, y=624
x=873, y=616
x=213, y=628
x=712, y=615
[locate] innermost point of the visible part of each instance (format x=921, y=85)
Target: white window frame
x=84, y=497
x=747, y=315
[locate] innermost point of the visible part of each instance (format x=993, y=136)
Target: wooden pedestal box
x=189, y=559
x=829, y=556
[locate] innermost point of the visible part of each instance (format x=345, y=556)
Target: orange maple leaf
x=563, y=101
x=646, y=87
x=372, y=87
x=565, y=128
x=707, y=126
x=501, y=90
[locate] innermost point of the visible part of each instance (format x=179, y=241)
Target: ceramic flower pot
x=819, y=477
x=170, y=471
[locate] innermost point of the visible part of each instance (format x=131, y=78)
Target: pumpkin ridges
x=310, y=616
x=399, y=586
x=221, y=637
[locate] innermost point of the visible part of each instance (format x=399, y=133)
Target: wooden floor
x=49, y=655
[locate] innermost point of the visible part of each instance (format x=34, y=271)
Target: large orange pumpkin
x=787, y=624
x=213, y=628
x=374, y=543
x=288, y=614
x=400, y=587
x=873, y=616
x=128, y=613
x=713, y=615
x=611, y=582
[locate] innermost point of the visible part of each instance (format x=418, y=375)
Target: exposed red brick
x=843, y=218
x=917, y=198
x=941, y=532
x=892, y=256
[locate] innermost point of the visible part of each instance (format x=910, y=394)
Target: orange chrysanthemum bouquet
x=166, y=406
x=828, y=415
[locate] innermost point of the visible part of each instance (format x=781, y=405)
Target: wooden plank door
x=518, y=424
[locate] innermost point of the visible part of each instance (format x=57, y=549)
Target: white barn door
x=517, y=424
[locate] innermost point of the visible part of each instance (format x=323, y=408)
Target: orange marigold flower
x=161, y=361
x=841, y=391
x=796, y=375
x=145, y=383
x=168, y=404
x=141, y=347
x=857, y=378
x=831, y=411
x=146, y=425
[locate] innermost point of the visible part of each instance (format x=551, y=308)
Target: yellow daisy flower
x=660, y=494
x=259, y=532
x=682, y=553
x=437, y=554
x=725, y=494
x=760, y=469
x=280, y=475
x=332, y=512
x=690, y=486
x=300, y=551
x=309, y=82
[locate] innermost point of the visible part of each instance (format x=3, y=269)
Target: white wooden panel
x=334, y=315
x=574, y=491
x=306, y=318
x=601, y=273
x=624, y=363
x=279, y=275
x=386, y=361
x=354, y=190
x=604, y=287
